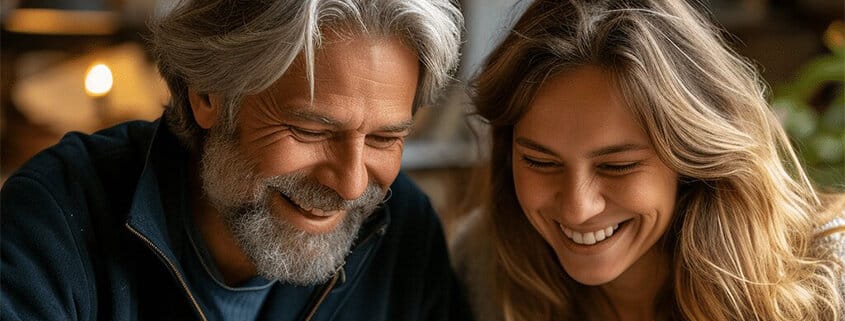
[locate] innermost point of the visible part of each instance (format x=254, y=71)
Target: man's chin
x=292, y=247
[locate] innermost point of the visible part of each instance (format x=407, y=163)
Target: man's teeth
x=313, y=210
x=319, y=212
x=590, y=238
x=316, y=211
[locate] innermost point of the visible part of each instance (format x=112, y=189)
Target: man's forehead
x=372, y=86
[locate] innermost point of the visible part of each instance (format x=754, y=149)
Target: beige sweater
x=833, y=246
x=472, y=257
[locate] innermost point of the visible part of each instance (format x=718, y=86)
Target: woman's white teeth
x=589, y=238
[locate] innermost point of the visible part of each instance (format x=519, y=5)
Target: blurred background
x=82, y=65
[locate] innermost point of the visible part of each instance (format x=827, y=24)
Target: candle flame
x=98, y=80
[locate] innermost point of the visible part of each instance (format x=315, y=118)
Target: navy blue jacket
x=89, y=232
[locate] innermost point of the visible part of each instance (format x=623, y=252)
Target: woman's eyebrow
x=530, y=144
x=603, y=151
x=619, y=148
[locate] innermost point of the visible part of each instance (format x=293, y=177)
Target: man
x=270, y=188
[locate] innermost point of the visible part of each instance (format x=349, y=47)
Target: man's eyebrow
x=306, y=115
x=303, y=114
x=530, y=144
x=397, y=128
x=613, y=149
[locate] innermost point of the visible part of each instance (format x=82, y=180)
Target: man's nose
x=580, y=199
x=347, y=174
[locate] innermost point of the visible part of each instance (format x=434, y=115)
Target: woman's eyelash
x=537, y=164
x=620, y=168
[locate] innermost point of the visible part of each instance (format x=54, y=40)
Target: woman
x=637, y=173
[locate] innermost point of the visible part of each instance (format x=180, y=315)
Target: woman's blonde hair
x=741, y=239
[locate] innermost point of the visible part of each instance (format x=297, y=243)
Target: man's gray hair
x=240, y=47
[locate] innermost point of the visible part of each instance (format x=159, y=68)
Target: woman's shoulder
x=473, y=258
x=830, y=234
x=470, y=247
x=831, y=238
x=829, y=244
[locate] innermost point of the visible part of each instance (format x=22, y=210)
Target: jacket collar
x=160, y=198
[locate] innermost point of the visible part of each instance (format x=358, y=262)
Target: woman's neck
x=633, y=295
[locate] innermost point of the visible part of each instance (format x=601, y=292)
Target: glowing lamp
x=98, y=80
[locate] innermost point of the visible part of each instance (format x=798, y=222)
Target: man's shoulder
x=78, y=151
x=63, y=218
x=405, y=188
x=79, y=165
x=407, y=199
x=410, y=210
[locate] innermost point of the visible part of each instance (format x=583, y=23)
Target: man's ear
x=204, y=107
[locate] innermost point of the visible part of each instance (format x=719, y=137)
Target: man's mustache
x=308, y=193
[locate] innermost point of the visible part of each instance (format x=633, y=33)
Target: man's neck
x=632, y=296
x=230, y=260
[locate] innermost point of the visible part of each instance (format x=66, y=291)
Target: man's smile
x=311, y=220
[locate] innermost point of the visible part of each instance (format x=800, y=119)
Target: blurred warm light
x=834, y=36
x=98, y=80
x=61, y=22
x=138, y=91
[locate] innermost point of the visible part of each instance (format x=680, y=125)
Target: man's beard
x=279, y=250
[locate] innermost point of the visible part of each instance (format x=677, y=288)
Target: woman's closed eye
x=537, y=163
x=618, y=168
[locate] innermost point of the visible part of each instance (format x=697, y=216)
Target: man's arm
x=43, y=273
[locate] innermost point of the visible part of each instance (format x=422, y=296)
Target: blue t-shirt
x=221, y=302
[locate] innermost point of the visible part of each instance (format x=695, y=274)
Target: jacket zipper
x=328, y=288
x=172, y=269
